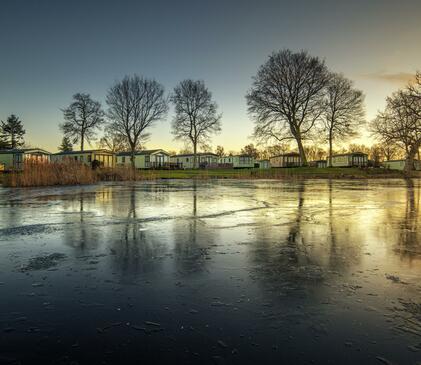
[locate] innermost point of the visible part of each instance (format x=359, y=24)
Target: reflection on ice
x=324, y=270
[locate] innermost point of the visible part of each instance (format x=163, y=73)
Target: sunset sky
x=52, y=49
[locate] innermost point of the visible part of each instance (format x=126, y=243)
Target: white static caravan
x=292, y=159
x=318, y=163
x=400, y=165
x=100, y=157
x=264, y=164
x=146, y=159
x=204, y=160
x=237, y=162
x=354, y=159
x=14, y=159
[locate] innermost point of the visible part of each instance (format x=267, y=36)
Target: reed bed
x=76, y=173
x=70, y=173
x=49, y=174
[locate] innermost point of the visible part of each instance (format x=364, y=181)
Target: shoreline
x=302, y=173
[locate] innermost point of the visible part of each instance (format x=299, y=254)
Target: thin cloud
x=400, y=78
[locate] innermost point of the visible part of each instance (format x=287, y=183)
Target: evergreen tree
x=13, y=132
x=66, y=145
x=3, y=142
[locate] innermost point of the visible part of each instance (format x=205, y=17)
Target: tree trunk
x=82, y=141
x=409, y=162
x=132, y=162
x=329, y=162
x=195, y=155
x=301, y=152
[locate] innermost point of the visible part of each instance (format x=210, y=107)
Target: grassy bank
x=77, y=174
x=281, y=173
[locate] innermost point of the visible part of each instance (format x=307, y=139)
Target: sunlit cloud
x=399, y=78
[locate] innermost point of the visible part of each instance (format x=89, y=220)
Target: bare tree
x=83, y=117
x=376, y=155
x=390, y=151
x=250, y=150
x=220, y=151
x=275, y=150
x=344, y=111
x=414, y=90
x=196, y=117
x=186, y=150
x=354, y=147
x=314, y=152
x=113, y=141
x=384, y=152
x=134, y=105
x=400, y=122
x=286, y=99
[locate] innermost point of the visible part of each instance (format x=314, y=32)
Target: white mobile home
x=354, y=159
x=146, y=159
x=14, y=159
x=264, y=164
x=400, y=165
x=204, y=160
x=292, y=159
x=237, y=162
x=319, y=163
x=100, y=158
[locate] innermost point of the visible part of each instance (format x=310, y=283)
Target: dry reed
x=48, y=174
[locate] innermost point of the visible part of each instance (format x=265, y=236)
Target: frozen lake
x=243, y=272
